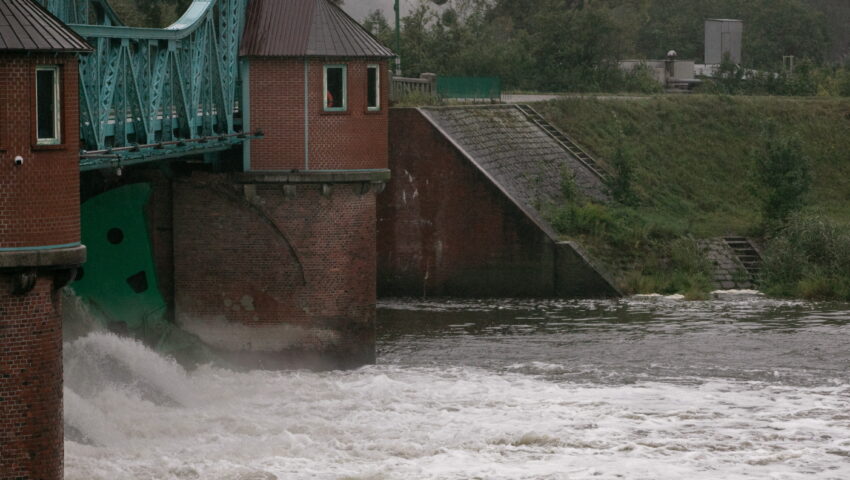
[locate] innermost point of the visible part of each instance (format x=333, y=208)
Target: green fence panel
x=475, y=88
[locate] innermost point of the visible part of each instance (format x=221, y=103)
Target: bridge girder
x=144, y=93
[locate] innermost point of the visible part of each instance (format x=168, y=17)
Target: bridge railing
x=148, y=93
x=424, y=86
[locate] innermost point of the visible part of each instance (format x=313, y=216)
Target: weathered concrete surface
x=54, y=258
x=454, y=225
x=729, y=272
x=520, y=156
x=576, y=275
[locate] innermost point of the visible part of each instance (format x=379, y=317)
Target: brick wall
x=356, y=139
x=39, y=201
x=276, y=275
x=30, y=382
x=444, y=229
x=39, y=207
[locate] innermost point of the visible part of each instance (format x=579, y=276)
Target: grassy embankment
x=692, y=161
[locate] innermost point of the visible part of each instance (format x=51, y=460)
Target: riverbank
x=690, y=162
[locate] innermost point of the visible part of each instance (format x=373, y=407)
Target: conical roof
x=306, y=28
x=25, y=26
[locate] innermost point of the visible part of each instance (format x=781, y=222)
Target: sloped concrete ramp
x=463, y=214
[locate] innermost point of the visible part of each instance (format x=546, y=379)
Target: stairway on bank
x=747, y=254
x=564, y=141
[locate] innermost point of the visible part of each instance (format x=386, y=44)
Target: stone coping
x=52, y=258
x=313, y=177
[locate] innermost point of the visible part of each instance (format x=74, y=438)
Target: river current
x=643, y=388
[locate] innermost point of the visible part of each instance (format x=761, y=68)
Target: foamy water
x=438, y=407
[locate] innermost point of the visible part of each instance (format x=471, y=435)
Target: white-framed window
x=48, y=114
x=336, y=88
x=373, y=88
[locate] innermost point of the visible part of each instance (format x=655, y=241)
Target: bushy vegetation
x=695, y=163
x=622, y=177
x=806, y=79
x=782, y=179
x=809, y=258
x=650, y=256
x=149, y=13
x=574, y=45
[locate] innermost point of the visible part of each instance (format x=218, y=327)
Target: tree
x=620, y=184
x=377, y=24
x=149, y=13
x=782, y=178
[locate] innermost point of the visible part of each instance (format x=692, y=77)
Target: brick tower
x=276, y=262
x=39, y=231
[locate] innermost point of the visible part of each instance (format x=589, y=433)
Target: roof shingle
x=27, y=27
x=306, y=28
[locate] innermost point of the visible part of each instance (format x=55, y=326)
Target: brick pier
x=39, y=236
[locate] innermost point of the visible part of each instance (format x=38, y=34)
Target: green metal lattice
x=150, y=94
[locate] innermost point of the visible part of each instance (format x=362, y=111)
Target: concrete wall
x=355, y=139
x=39, y=248
x=445, y=228
x=281, y=277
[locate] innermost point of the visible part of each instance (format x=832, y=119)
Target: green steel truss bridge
x=152, y=94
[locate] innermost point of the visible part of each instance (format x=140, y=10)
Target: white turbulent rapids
x=132, y=414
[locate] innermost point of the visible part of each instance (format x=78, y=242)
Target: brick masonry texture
x=275, y=274
x=39, y=206
x=30, y=382
x=39, y=200
x=356, y=139
x=446, y=229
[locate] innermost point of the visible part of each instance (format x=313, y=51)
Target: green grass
x=692, y=158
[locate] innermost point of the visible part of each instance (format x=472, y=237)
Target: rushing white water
x=132, y=414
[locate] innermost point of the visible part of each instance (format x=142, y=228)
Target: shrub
x=782, y=179
x=620, y=184
x=589, y=219
x=809, y=258
x=417, y=99
x=569, y=190
x=639, y=80
x=806, y=80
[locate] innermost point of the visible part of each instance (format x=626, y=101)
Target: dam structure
x=229, y=169
x=213, y=182
x=213, y=187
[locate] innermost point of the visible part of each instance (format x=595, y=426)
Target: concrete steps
x=565, y=141
x=747, y=254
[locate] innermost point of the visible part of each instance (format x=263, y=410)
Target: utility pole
x=397, y=38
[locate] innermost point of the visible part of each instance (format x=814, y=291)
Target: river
x=643, y=388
